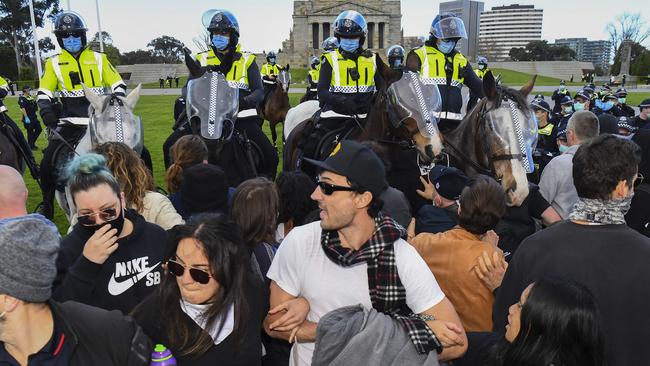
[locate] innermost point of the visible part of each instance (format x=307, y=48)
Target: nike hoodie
x=127, y=277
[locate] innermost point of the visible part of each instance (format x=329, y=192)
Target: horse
x=297, y=114
x=14, y=151
x=492, y=139
x=275, y=106
x=401, y=117
x=111, y=119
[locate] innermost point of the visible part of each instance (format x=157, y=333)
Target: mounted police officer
x=8, y=124
x=312, y=79
x=270, y=71
x=440, y=64
x=240, y=69
x=64, y=74
x=395, y=56
x=558, y=95
x=330, y=44
x=480, y=71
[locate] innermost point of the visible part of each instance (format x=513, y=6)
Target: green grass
x=157, y=117
x=510, y=77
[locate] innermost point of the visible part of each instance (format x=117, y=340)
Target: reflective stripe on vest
x=57, y=71
x=431, y=74
x=366, y=68
x=547, y=130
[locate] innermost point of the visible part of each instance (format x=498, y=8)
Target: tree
x=112, y=52
x=16, y=26
x=638, y=61
x=168, y=49
x=137, y=57
x=106, y=37
x=45, y=45
x=627, y=26
x=202, y=41
x=518, y=54
x=542, y=51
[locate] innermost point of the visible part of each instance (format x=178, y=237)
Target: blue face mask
x=272, y=60
x=349, y=44
x=220, y=42
x=621, y=100
x=397, y=63
x=446, y=46
x=481, y=67
x=568, y=109
x=579, y=106
x=607, y=106
x=72, y=44
x=563, y=148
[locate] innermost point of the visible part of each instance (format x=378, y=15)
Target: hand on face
x=101, y=244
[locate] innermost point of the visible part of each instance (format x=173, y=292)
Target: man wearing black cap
x=642, y=121
x=29, y=107
x=356, y=255
x=621, y=94
x=35, y=330
x=443, y=189
x=558, y=96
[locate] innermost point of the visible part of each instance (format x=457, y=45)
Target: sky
x=265, y=24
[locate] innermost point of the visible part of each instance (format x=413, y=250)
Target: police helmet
x=271, y=55
x=314, y=62
x=219, y=20
x=395, y=51
x=351, y=24
x=482, y=61
x=448, y=26
x=330, y=44
x=69, y=23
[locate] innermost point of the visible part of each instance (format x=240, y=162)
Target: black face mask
x=117, y=223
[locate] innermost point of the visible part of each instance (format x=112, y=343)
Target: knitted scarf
x=601, y=211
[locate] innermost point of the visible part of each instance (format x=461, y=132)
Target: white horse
x=297, y=114
x=111, y=119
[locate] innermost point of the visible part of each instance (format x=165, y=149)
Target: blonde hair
x=188, y=151
x=133, y=176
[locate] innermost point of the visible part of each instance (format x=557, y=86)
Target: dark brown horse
x=379, y=125
x=486, y=141
x=13, y=147
x=276, y=104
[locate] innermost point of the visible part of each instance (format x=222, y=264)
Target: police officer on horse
x=65, y=73
x=442, y=65
x=225, y=55
x=395, y=56
x=480, y=71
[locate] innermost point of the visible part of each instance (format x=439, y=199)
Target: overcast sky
x=265, y=24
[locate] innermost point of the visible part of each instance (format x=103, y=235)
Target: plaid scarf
x=387, y=293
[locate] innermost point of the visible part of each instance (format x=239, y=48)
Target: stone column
x=626, y=54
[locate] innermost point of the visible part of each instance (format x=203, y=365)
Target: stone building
x=313, y=21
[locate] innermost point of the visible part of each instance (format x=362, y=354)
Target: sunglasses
x=328, y=189
x=198, y=275
x=107, y=214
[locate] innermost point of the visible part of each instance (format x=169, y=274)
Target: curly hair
x=188, y=151
x=134, y=177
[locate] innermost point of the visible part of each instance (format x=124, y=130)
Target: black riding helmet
x=395, y=52
x=69, y=23
x=351, y=24
x=219, y=20
x=271, y=55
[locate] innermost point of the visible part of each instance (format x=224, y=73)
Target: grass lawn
x=157, y=116
x=510, y=77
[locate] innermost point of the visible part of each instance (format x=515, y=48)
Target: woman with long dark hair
x=208, y=310
x=556, y=322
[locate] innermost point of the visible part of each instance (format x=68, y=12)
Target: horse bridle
x=487, y=150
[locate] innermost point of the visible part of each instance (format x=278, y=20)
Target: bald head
x=13, y=193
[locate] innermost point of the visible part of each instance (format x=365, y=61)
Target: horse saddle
x=325, y=131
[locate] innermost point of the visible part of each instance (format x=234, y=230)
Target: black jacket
x=127, y=277
x=100, y=337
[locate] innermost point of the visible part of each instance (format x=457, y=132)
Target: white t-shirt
x=302, y=269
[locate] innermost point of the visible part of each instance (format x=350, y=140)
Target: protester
x=641, y=121
x=354, y=255
x=13, y=193
x=111, y=258
x=204, y=189
x=137, y=184
x=638, y=218
x=34, y=329
x=596, y=248
x=443, y=189
x=296, y=206
x=207, y=310
x=255, y=210
x=556, y=183
x=452, y=255
x=188, y=151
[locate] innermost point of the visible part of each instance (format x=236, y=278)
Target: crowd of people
x=340, y=270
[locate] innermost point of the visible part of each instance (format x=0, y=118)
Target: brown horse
x=480, y=145
x=379, y=125
x=276, y=104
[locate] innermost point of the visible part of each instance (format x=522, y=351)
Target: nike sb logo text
x=130, y=273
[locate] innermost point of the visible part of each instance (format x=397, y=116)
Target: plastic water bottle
x=161, y=356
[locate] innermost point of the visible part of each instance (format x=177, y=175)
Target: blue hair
x=88, y=171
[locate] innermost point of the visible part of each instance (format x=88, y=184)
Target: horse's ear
x=132, y=98
x=412, y=62
x=384, y=72
x=287, y=68
x=489, y=86
x=192, y=64
x=95, y=100
x=526, y=89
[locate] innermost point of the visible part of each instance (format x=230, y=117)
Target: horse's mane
x=503, y=92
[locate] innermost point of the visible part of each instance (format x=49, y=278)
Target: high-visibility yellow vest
x=238, y=74
x=314, y=73
x=547, y=130
x=268, y=69
x=65, y=73
x=342, y=81
x=432, y=66
x=481, y=73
